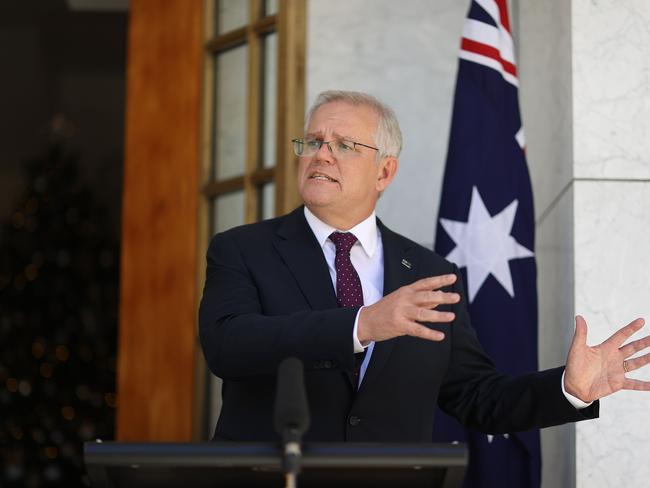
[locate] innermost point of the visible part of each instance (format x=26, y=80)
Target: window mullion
x=252, y=136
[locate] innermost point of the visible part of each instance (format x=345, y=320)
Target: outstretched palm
x=593, y=372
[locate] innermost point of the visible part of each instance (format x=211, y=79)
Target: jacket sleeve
x=240, y=340
x=483, y=399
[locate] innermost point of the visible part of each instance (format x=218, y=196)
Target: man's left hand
x=595, y=372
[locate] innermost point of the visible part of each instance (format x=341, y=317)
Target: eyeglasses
x=340, y=148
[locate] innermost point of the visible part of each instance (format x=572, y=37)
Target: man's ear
x=387, y=170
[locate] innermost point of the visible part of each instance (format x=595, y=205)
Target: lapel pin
x=406, y=264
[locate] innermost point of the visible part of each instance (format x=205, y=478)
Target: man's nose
x=324, y=153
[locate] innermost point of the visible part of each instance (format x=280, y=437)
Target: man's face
x=342, y=192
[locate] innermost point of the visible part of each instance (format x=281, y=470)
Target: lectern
x=250, y=465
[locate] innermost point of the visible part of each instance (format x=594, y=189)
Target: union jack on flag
x=486, y=226
x=487, y=38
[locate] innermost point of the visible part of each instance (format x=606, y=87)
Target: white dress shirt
x=367, y=256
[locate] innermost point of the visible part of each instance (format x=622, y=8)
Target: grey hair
x=388, y=136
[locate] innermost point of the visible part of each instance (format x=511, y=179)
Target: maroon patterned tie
x=348, y=285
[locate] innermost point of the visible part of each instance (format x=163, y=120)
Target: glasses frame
x=303, y=142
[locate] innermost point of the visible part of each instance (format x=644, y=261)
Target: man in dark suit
x=380, y=323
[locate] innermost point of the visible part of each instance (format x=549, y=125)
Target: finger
x=418, y=330
x=580, y=335
x=636, y=385
x=426, y=315
x=431, y=299
x=638, y=362
x=434, y=282
x=635, y=346
x=621, y=335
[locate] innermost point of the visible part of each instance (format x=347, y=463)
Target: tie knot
x=343, y=241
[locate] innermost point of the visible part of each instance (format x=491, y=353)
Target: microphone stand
x=291, y=416
x=292, y=454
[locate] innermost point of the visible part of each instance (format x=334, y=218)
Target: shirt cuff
x=575, y=401
x=356, y=344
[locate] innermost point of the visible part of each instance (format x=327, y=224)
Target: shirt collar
x=365, y=231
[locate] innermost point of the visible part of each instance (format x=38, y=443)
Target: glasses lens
x=343, y=149
x=307, y=147
x=298, y=146
x=340, y=149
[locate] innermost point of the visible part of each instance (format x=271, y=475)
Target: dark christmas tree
x=58, y=325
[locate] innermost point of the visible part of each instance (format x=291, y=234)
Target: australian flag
x=486, y=226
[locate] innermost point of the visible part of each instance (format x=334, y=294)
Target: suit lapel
x=298, y=247
x=398, y=271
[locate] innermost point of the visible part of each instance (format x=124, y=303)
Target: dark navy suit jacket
x=268, y=295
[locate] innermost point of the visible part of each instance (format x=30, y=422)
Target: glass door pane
x=230, y=113
x=230, y=14
x=228, y=211
x=270, y=7
x=266, y=202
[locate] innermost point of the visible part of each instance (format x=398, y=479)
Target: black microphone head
x=291, y=413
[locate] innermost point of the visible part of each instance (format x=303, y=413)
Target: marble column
x=584, y=70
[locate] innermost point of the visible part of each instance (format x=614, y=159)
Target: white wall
x=405, y=53
x=544, y=63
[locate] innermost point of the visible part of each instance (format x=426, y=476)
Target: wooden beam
x=291, y=100
x=158, y=292
x=254, y=88
x=228, y=40
x=213, y=188
x=201, y=373
x=239, y=36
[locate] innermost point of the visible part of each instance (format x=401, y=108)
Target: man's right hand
x=403, y=311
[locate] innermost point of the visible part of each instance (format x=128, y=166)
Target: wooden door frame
x=164, y=218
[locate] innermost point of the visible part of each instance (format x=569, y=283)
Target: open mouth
x=322, y=177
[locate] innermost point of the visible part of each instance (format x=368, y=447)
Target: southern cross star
x=484, y=244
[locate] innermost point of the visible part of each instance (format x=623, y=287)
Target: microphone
x=291, y=414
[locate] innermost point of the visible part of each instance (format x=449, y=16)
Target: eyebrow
x=335, y=134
